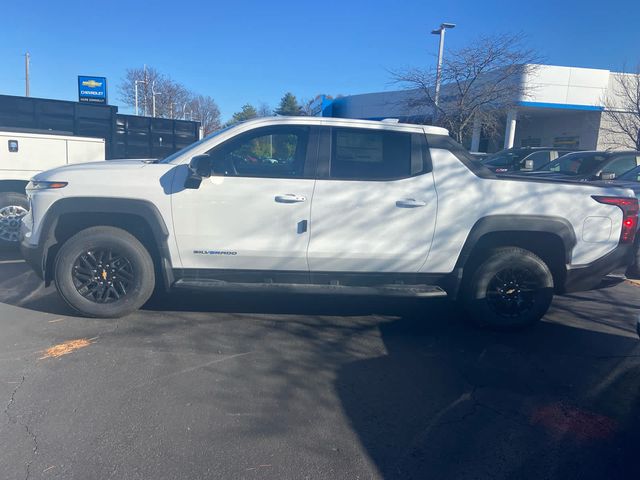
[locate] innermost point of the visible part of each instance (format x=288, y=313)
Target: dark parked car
x=514, y=159
x=589, y=166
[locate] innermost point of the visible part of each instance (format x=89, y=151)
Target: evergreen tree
x=247, y=113
x=289, y=105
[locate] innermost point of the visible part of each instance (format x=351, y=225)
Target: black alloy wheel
x=512, y=291
x=103, y=275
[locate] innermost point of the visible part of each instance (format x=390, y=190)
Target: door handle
x=410, y=203
x=290, y=198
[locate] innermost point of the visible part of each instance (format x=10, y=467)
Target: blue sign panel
x=92, y=89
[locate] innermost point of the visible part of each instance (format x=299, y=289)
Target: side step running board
x=381, y=290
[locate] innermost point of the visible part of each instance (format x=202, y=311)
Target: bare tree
x=205, y=110
x=482, y=80
x=173, y=100
x=621, y=125
x=264, y=110
x=170, y=95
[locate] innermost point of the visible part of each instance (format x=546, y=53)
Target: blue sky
x=253, y=51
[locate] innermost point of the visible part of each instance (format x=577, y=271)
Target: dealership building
x=563, y=107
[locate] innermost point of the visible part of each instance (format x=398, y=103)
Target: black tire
x=13, y=206
x=510, y=290
x=104, y=272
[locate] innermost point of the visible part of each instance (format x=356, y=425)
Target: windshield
x=632, y=175
x=575, y=164
x=195, y=145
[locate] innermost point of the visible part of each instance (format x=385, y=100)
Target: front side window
x=622, y=165
x=359, y=154
x=276, y=152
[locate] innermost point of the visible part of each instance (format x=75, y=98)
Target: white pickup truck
x=22, y=155
x=323, y=205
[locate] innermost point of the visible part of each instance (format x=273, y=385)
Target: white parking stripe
x=7, y=262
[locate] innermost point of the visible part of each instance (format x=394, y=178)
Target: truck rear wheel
x=511, y=289
x=13, y=206
x=104, y=272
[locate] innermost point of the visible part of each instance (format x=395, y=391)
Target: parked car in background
x=589, y=166
x=514, y=159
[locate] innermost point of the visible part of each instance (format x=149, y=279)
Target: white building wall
x=566, y=85
x=582, y=124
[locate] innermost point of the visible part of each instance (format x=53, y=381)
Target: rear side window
x=359, y=154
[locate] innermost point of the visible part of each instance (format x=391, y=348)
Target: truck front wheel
x=104, y=272
x=511, y=289
x=13, y=206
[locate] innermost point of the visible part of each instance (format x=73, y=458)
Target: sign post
x=92, y=89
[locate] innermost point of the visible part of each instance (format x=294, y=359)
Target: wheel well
x=71, y=223
x=17, y=186
x=548, y=246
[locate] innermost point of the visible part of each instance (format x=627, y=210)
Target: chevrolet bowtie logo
x=91, y=84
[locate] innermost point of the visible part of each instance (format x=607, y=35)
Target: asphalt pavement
x=233, y=386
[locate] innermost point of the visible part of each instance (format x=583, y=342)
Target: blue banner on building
x=92, y=89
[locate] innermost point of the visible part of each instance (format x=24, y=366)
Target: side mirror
x=200, y=166
x=607, y=176
x=528, y=165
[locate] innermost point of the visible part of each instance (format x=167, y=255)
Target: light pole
x=137, y=82
x=153, y=97
x=27, y=58
x=440, y=31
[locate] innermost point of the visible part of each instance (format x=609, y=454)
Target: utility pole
x=27, y=59
x=146, y=85
x=440, y=31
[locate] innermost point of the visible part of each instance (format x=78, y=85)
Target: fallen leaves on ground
x=66, y=348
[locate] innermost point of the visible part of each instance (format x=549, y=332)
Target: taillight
x=629, y=207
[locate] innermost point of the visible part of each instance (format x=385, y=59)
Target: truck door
x=253, y=212
x=374, y=206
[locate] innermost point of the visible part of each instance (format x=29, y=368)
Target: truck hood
x=107, y=167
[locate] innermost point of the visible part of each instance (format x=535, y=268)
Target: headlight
x=39, y=185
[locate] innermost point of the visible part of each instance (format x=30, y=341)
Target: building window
x=566, y=142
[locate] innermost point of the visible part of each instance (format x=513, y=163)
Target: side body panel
x=464, y=199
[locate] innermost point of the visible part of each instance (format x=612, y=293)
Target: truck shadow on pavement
x=556, y=401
